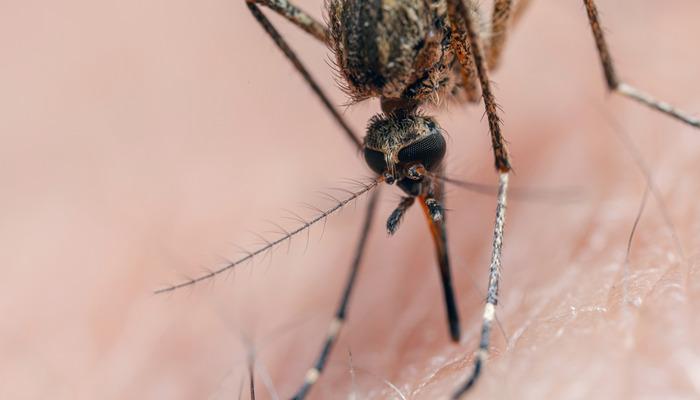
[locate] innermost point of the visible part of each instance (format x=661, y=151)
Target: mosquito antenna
x=353, y=181
x=244, y=251
x=266, y=244
x=345, y=191
x=565, y=195
x=271, y=244
x=341, y=189
x=305, y=224
x=283, y=232
x=241, y=249
x=330, y=197
x=318, y=210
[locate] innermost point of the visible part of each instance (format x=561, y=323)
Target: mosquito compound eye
x=428, y=151
x=375, y=160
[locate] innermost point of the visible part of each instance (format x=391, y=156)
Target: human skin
x=141, y=139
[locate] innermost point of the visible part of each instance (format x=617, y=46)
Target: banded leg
x=618, y=86
x=492, y=293
x=313, y=374
x=460, y=17
x=289, y=53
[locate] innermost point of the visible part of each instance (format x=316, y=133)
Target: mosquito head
x=402, y=147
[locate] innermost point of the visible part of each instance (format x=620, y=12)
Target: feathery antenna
x=288, y=235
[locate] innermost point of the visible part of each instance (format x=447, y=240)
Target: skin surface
x=141, y=139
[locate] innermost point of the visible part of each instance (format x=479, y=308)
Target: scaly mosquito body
x=411, y=54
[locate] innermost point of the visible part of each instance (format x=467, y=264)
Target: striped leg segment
x=314, y=373
x=492, y=294
x=615, y=84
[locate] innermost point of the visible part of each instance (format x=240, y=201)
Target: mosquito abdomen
x=384, y=47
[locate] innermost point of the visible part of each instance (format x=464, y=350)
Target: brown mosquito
x=409, y=54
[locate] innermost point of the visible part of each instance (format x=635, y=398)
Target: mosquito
x=411, y=55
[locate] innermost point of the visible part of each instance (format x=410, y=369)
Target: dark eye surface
x=428, y=151
x=375, y=160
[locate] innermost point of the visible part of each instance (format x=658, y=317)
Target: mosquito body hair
x=269, y=245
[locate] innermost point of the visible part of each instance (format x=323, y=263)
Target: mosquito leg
x=462, y=49
x=437, y=229
x=296, y=16
x=435, y=210
x=505, y=15
x=615, y=84
x=463, y=23
x=392, y=224
x=492, y=294
x=289, y=53
x=462, y=19
x=313, y=374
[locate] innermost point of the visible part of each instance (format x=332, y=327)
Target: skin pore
x=138, y=153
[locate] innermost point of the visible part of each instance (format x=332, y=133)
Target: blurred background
x=142, y=139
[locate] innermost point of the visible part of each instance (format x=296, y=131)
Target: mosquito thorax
x=402, y=147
